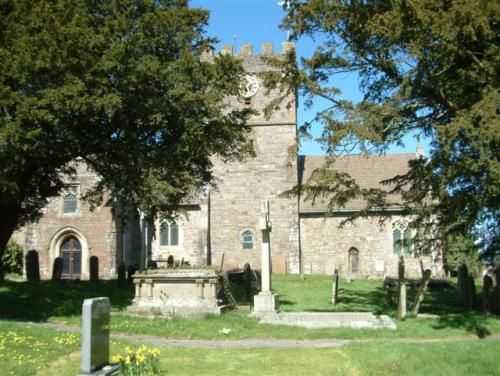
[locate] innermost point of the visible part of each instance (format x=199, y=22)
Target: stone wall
x=235, y=202
x=325, y=247
x=95, y=230
x=192, y=245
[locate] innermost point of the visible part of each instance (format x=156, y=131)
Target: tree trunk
x=7, y=227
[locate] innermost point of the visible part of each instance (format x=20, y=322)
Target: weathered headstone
x=401, y=313
x=57, y=269
x=170, y=261
x=488, y=292
x=335, y=287
x=247, y=281
x=496, y=296
x=421, y=291
x=266, y=302
x=122, y=275
x=94, y=268
x=95, y=337
x=470, y=292
x=32, y=266
x=462, y=277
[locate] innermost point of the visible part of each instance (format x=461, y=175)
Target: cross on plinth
x=266, y=302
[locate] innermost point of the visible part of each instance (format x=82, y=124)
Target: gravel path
x=262, y=343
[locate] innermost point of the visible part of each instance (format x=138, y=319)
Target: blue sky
x=237, y=22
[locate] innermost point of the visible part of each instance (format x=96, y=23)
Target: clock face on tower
x=248, y=86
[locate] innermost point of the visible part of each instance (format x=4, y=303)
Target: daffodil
x=116, y=358
x=127, y=361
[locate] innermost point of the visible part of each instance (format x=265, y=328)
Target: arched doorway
x=354, y=260
x=71, y=253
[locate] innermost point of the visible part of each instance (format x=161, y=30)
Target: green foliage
x=426, y=67
x=126, y=87
x=12, y=258
x=462, y=250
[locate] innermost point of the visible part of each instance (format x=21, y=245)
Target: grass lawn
x=29, y=350
x=61, y=302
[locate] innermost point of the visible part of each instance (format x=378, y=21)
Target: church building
x=221, y=227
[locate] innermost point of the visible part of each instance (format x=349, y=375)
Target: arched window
x=401, y=238
x=353, y=260
x=169, y=234
x=71, y=254
x=247, y=240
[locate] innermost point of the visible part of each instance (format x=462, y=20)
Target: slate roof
x=367, y=170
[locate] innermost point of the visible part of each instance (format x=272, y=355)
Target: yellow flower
x=154, y=352
x=127, y=361
x=141, y=358
x=128, y=350
x=116, y=358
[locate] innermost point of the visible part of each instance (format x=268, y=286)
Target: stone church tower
x=221, y=226
x=235, y=203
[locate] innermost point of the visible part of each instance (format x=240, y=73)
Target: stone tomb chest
x=182, y=292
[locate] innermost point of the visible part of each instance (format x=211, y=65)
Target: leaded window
x=401, y=238
x=70, y=199
x=247, y=240
x=169, y=234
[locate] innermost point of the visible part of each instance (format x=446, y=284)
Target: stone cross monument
x=266, y=302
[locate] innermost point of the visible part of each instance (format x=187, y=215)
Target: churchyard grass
x=31, y=350
x=62, y=302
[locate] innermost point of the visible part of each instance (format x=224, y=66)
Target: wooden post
x=421, y=291
x=401, y=313
x=335, y=286
x=496, y=297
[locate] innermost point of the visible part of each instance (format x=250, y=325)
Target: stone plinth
x=185, y=292
x=265, y=303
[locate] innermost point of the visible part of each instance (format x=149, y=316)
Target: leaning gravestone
x=57, y=269
x=95, y=338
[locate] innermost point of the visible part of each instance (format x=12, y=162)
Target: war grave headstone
x=95, y=338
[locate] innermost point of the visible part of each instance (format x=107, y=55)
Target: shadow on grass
x=38, y=301
x=470, y=321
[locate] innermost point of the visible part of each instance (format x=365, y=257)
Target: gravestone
x=496, y=298
x=94, y=268
x=57, y=269
x=95, y=337
x=462, y=278
x=122, y=275
x=470, y=300
x=247, y=281
x=488, y=292
x=32, y=266
x=335, y=286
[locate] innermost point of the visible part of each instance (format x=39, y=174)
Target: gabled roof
x=367, y=170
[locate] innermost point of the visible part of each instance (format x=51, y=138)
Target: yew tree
x=426, y=67
x=124, y=86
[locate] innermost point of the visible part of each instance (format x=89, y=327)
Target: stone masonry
x=217, y=219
